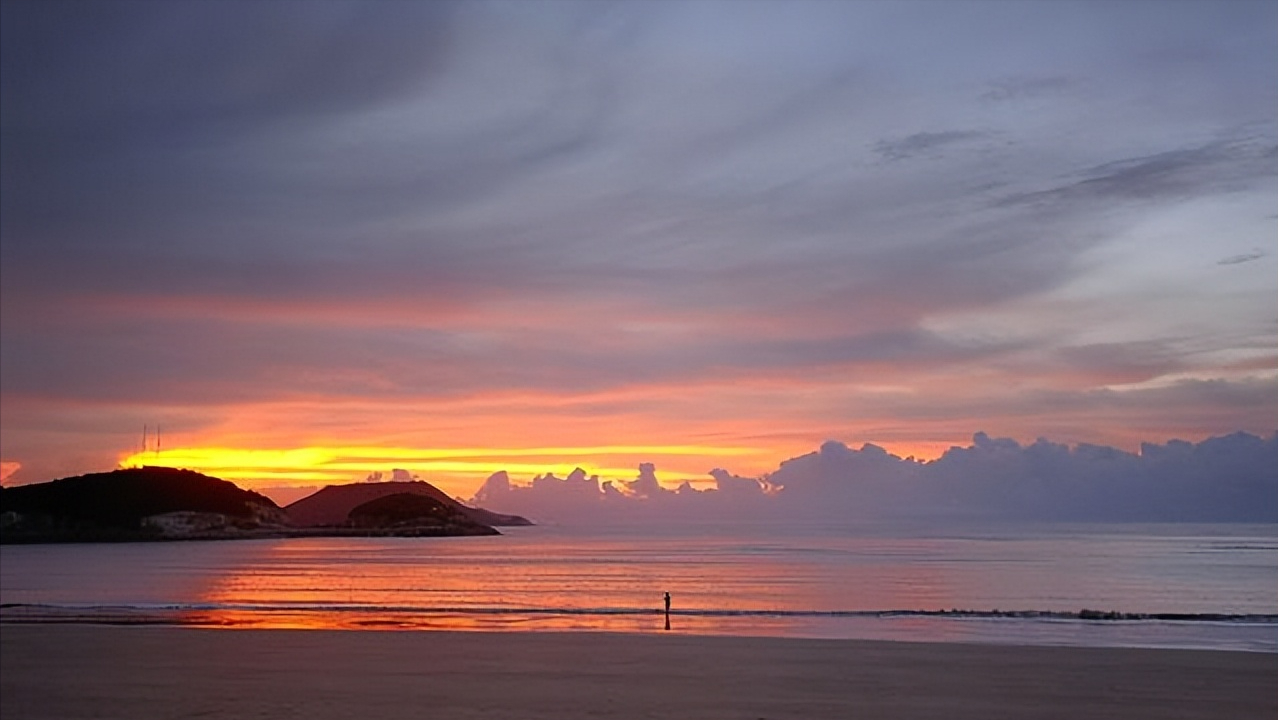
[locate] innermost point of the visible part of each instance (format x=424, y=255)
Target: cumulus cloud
x=646, y=486
x=547, y=496
x=1232, y=478
x=729, y=484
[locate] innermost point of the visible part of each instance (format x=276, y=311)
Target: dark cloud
x=579, y=497
x=547, y=495
x=1185, y=172
x=1232, y=478
x=646, y=486
x=125, y=70
x=1120, y=362
x=1025, y=88
x=122, y=120
x=1242, y=258
x=926, y=143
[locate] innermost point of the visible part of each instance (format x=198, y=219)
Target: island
x=160, y=503
x=333, y=505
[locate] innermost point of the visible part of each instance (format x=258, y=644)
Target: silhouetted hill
x=159, y=503
x=136, y=503
x=331, y=506
x=415, y=513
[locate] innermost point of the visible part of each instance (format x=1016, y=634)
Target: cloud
x=130, y=68
x=646, y=486
x=1119, y=362
x=1220, y=166
x=729, y=484
x=548, y=496
x=925, y=143
x=1025, y=88
x=1242, y=258
x=1232, y=478
x=217, y=211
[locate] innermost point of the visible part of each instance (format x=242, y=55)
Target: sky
x=318, y=240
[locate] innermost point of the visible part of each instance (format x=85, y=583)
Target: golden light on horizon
x=450, y=468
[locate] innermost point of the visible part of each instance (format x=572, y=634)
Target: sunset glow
x=457, y=470
x=531, y=237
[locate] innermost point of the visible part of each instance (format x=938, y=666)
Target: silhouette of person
x=667, y=611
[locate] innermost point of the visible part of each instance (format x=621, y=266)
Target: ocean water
x=1212, y=586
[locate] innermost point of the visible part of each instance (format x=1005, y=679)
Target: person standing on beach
x=667, y=610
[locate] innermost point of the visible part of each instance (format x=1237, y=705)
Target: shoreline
x=75, y=671
x=119, y=537
x=86, y=613
x=1016, y=630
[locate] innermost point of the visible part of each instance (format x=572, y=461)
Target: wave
x=38, y=612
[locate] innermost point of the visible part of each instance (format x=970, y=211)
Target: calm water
x=809, y=581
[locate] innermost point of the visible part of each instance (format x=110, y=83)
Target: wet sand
x=83, y=671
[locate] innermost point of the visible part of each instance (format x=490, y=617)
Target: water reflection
x=757, y=583
x=544, y=576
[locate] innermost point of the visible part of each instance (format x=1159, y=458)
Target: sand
x=83, y=671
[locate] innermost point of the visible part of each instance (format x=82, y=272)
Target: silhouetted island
x=332, y=505
x=415, y=515
x=148, y=503
x=160, y=503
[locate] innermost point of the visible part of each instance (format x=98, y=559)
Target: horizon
x=315, y=242
x=341, y=466
x=1226, y=478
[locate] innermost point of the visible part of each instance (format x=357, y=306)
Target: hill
x=145, y=503
x=160, y=503
x=414, y=514
x=331, y=506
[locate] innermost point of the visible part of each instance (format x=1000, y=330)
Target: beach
x=81, y=671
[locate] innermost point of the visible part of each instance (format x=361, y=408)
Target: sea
x=1179, y=585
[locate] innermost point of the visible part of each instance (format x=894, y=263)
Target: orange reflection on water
x=549, y=579
x=237, y=618
x=504, y=584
